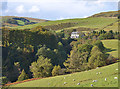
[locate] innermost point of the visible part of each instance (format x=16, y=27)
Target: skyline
x=57, y=9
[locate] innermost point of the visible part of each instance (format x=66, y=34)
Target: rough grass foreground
x=106, y=76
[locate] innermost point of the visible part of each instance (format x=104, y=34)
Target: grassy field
x=99, y=23
x=113, y=27
x=84, y=78
x=113, y=46
x=20, y=22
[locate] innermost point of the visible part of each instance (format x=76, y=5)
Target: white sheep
x=115, y=78
x=99, y=72
x=78, y=83
x=65, y=83
x=64, y=77
x=116, y=69
x=105, y=79
x=94, y=81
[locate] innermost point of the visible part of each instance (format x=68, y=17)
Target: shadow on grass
x=109, y=50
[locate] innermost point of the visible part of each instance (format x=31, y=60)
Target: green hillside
x=13, y=21
x=113, y=26
x=107, y=14
x=36, y=48
x=84, y=78
x=113, y=46
x=100, y=21
x=91, y=23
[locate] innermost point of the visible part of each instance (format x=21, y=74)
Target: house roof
x=75, y=32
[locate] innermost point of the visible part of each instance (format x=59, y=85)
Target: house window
x=74, y=35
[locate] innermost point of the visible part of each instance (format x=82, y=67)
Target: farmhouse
x=74, y=35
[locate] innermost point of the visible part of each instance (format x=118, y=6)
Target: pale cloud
x=20, y=9
x=60, y=0
x=61, y=18
x=60, y=9
x=40, y=0
x=3, y=5
x=6, y=11
x=99, y=3
x=108, y=0
x=34, y=9
x=85, y=16
x=71, y=9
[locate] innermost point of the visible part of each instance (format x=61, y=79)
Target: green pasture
x=84, y=78
x=112, y=46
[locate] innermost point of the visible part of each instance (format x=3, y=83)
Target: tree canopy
x=41, y=68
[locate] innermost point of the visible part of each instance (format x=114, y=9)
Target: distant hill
x=114, y=14
x=101, y=21
x=13, y=21
x=80, y=24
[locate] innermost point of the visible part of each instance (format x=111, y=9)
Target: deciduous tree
x=41, y=68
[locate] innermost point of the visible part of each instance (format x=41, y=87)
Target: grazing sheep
x=95, y=80
x=78, y=83
x=64, y=77
x=65, y=83
x=115, y=78
x=99, y=72
x=91, y=85
x=73, y=79
x=116, y=69
x=105, y=79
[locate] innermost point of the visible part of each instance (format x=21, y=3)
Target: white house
x=74, y=35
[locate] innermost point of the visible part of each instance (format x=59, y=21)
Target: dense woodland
x=40, y=52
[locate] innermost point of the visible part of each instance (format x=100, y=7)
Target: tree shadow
x=110, y=49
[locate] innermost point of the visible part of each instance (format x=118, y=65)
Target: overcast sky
x=56, y=9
